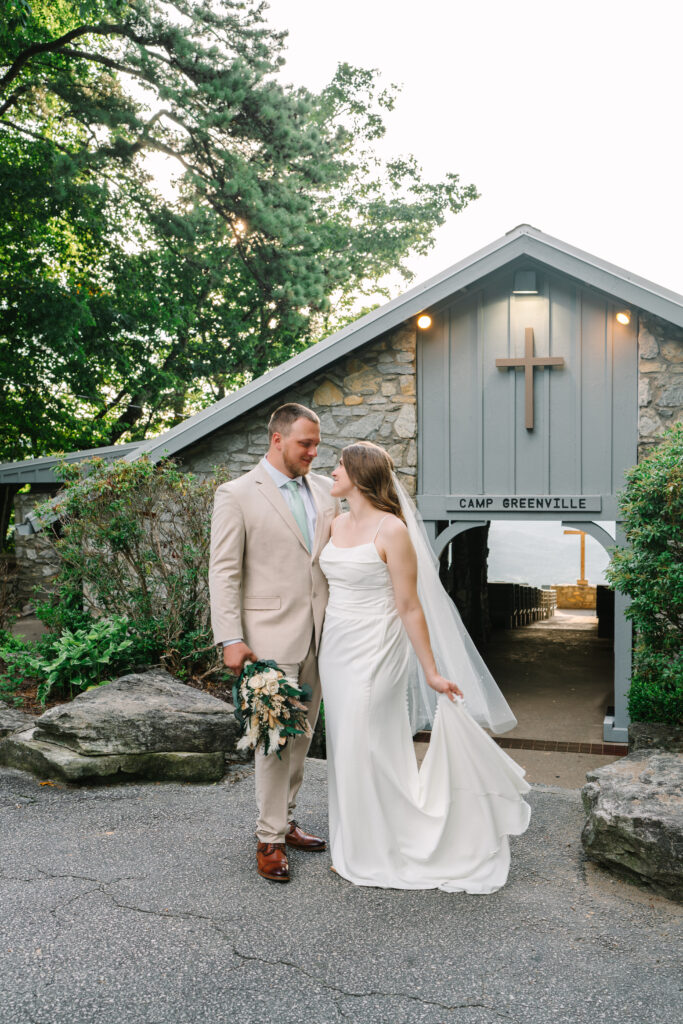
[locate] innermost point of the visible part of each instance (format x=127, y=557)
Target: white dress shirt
x=281, y=480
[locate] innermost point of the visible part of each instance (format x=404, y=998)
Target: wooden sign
x=524, y=503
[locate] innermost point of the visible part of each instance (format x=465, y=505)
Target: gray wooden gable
x=472, y=435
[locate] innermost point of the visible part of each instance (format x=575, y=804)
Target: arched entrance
x=614, y=724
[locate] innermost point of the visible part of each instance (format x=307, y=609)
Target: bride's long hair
x=370, y=468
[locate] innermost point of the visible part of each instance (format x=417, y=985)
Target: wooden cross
x=529, y=362
x=582, y=582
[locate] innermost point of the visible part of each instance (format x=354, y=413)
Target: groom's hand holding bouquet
x=235, y=656
x=269, y=707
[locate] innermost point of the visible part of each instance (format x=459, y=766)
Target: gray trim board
x=42, y=470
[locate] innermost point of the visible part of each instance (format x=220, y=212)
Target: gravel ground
x=140, y=904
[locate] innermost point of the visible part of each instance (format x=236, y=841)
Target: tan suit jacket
x=265, y=584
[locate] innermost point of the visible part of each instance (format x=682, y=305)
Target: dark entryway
x=556, y=672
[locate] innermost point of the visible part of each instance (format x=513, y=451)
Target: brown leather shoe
x=301, y=840
x=271, y=862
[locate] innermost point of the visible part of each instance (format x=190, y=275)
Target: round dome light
x=424, y=321
x=624, y=317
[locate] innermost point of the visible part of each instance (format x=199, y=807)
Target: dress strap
x=379, y=526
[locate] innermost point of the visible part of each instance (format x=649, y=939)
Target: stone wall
x=574, y=596
x=36, y=564
x=660, y=380
x=369, y=396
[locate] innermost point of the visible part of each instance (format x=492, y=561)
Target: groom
x=268, y=598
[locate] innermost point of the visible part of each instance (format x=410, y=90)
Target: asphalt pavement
x=140, y=904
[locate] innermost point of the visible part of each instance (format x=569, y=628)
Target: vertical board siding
x=464, y=429
x=596, y=433
x=564, y=386
x=498, y=393
x=528, y=311
x=471, y=413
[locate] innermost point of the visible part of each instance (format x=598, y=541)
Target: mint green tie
x=298, y=510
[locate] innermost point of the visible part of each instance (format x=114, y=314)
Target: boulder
x=635, y=818
x=145, y=724
x=24, y=750
x=12, y=719
x=143, y=712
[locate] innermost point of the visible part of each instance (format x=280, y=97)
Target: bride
x=383, y=649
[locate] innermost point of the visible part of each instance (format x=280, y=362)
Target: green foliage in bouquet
x=269, y=708
x=650, y=571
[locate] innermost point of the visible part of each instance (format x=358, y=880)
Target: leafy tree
x=650, y=571
x=123, y=310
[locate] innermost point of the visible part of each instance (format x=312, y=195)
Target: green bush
x=650, y=572
x=72, y=661
x=132, y=585
x=19, y=663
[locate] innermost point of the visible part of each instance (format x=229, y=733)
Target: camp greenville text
x=525, y=502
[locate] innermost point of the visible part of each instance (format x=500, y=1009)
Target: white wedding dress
x=444, y=826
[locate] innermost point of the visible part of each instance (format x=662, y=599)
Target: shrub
x=133, y=547
x=650, y=572
x=18, y=665
x=75, y=660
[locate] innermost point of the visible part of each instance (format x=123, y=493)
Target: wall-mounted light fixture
x=424, y=321
x=525, y=283
x=624, y=316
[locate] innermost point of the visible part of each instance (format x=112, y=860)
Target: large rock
x=144, y=724
x=12, y=719
x=635, y=818
x=24, y=750
x=143, y=712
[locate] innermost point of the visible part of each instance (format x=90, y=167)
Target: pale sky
x=566, y=116
x=540, y=553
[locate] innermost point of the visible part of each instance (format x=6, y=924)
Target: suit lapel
x=271, y=492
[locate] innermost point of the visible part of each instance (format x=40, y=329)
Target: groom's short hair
x=282, y=419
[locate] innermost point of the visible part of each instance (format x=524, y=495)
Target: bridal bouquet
x=269, y=707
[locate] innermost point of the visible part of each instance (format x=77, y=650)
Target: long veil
x=456, y=656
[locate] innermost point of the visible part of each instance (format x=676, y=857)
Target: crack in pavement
x=82, y=878
x=249, y=958
x=345, y=993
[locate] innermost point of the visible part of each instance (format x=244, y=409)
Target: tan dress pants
x=278, y=778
